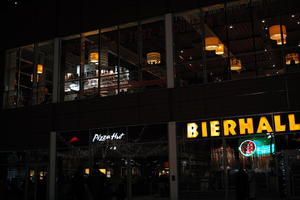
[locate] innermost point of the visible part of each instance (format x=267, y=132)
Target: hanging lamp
x=220, y=49
x=235, y=64
x=94, y=57
x=275, y=33
x=292, y=56
x=211, y=43
x=153, y=58
x=39, y=68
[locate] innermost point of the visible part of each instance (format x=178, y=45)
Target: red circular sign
x=247, y=148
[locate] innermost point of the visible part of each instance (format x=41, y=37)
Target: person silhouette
x=242, y=184
x=98, y=185
x=78, y=184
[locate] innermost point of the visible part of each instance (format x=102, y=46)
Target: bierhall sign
x=272, y=123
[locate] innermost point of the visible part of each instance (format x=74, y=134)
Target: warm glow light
x=211, y=43
x=87, y=171
x=235, y=64
x=102, y=171
x=220, y=49
x=275, y=33
x=292, y=56
x=94, y=57
x=39, y=68
x=153, y=58
x=279, y=42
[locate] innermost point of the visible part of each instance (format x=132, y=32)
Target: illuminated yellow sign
x=276, y=123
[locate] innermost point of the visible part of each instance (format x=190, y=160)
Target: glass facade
x=244, y=39
x=126, y=162
x=29, y=75
x=235, y=40
x=229, y=41
x=250, y=165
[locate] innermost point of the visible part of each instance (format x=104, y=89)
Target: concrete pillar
x=173, y=160
x=169, y=50
x=52, y=166
x=56, y=72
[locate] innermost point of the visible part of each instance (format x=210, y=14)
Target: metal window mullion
x=253, y=37
x=140, y=51
x=203, y=52
x=35, y=74
x=81, y=71
x=228, y=68
x=99, y=62
x=19, y=74
x=56, y=73
x=119, y=60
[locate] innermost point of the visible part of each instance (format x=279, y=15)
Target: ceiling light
x=211, y=43
x=231, y=27
x=235, y=64
x=153, y=58
x=181, y=51
x=263, y=21
x=94, y=57
x=39, y=68
x=275, y=32
x=220, y=49
x=292, y=56
x=293, y=16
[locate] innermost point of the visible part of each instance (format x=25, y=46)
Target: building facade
x=150, y=100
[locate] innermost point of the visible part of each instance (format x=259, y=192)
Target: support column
x=169, y=50
x=56, y=72
x=52, y=166
x=173, y=160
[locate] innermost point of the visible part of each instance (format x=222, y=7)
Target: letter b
x=192, y=130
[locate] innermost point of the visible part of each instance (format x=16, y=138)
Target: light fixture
x=275, y=33
x=153, y=58
x=292, y=56
x=39, y=68
x=279, y=42
x=235, y=64
x=220, y=49
x=94, y=57
x=211, y=43
x=102, y=171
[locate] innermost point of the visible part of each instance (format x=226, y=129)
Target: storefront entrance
x=113, y=163
x=254, y=157
x=24, y=175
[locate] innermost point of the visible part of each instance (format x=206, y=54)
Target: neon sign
x=103, y=138
x=277, y=123
x=247, y=148
x=256, y=146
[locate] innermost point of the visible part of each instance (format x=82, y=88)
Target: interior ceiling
x=243, y=36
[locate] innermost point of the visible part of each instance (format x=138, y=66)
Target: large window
x=29, y=74
x=236, y=40
x=115, y=60
x=233, y=166
x=113, y=163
